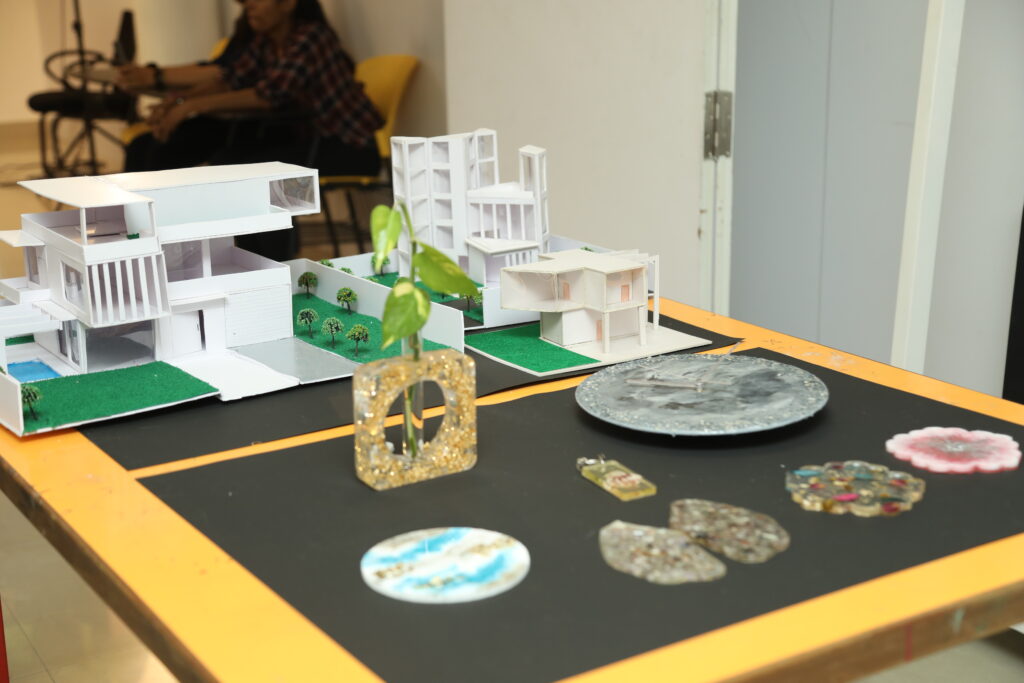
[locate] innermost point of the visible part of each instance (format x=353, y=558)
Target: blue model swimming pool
x=31, y=370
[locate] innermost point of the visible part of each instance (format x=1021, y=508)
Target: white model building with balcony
x=458, y=204
x=142, y=266
x=594, y=303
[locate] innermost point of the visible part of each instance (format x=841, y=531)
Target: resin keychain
x=615, y=478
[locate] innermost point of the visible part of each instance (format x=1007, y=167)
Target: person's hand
x=171, y=119
x=135, y=77
x=157, y=111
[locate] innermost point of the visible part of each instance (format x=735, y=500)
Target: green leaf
x=440, y=273
x=385, y=229
x=405, y=311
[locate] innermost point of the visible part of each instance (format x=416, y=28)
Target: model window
x=184, y=261
x=74, y=286
x=32, y=264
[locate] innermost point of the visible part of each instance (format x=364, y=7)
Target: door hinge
x=717, y=124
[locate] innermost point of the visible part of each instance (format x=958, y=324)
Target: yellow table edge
x=149, y=557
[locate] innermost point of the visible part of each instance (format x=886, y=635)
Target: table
x=209, y=616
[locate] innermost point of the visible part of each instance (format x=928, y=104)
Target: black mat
x=210, y=426
x=300, y=521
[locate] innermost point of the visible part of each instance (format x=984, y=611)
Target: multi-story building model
x=458, y=204
x=142, y=266
x=585, y=297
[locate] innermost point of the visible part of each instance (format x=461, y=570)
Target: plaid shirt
x=313, y=73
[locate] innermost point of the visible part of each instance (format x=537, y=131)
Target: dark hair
x=309, y=10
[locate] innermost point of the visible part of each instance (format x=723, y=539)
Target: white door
x=826, y=97
x=186, y=329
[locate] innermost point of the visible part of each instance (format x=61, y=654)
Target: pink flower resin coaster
x=951, y=449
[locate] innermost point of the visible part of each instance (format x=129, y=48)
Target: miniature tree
x=309, y=281
x=30, y=395
x=473, y=300
x=307, y=316
x=348, y=297
x=326, y=262
x=379, y=267
x=346, y=270
x=332, y=326
x=358, y=333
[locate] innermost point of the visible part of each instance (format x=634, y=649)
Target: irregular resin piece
x=951, y=449
x=658, y=555
x=445, y=565
x=865, y=489
x=739, y=534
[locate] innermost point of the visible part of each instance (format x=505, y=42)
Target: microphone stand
x=87, y=121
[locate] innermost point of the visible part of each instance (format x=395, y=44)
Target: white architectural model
x=458, y=204
x=594, y=303
x=142, y=266
x=584, y=296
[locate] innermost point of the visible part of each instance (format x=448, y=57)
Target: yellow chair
x=385, y=79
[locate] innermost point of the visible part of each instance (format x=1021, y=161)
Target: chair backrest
x=385, y=79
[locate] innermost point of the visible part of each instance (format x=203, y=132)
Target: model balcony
x=228, y=269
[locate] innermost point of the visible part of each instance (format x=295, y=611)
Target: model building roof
x=202, y=175
x=577, y=259
x=83, y=192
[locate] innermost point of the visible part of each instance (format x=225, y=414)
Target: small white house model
x=594, y=303
x=458, y=204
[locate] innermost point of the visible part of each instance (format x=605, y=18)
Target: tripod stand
x=78, y=102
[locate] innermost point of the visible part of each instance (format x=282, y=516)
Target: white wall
x=415, y=27
x=21, y=59
x=981, y=209
x=614, y=91
x=175, y=32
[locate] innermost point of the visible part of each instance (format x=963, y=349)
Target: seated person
x=293, y=62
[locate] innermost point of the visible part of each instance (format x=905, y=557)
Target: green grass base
x=389, y=279
x=368, y=351
x=476, y=314
x=27, y=339
x=524, y=347
x=79, y=398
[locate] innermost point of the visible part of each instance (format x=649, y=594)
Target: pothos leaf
x=385, y=228
x=405, y=311
x=440, y=273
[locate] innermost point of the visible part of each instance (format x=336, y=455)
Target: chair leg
x=4, y=673
x=326, y=207
x=355, y=220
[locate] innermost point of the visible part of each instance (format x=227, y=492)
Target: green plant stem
x=412, y=445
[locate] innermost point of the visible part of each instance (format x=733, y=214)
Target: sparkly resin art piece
x=657, y=555
x=862, y=488
x=739, y=534
x=375, y=386
x=615, y=478
x=951, y=449
x=445, y=565
x=695, y=395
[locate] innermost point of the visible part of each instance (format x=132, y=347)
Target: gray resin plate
x=695, y=395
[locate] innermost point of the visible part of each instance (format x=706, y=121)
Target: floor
x=59, y=631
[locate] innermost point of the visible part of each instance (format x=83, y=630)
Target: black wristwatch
x=158, y=76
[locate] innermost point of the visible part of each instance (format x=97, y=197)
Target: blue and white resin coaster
x=445, y=565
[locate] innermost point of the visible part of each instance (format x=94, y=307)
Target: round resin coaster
x=951, y=449
x=445, y=565
x=695, y=395
x=863, y=488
